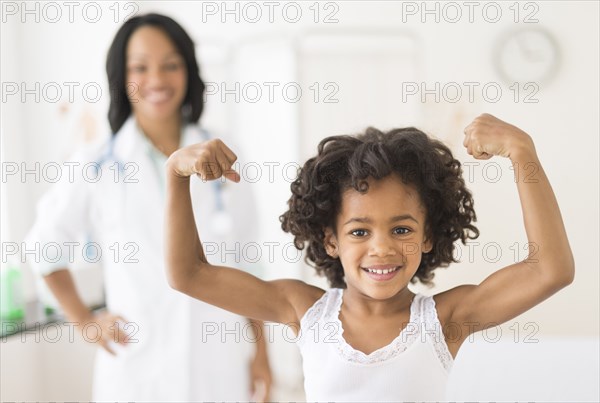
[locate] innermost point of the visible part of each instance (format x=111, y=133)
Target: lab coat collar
x=193, y=134
x=129, y=137
x=126, y=140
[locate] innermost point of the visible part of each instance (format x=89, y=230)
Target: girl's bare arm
x=188, y=270
x=549, y=267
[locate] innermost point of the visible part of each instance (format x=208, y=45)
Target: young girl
x=376, y=212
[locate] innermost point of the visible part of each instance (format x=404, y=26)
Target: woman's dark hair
x=120, y=109
x=345, y=162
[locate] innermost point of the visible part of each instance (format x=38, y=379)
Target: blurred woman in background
x=157, y=344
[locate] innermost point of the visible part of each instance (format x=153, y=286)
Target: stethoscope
x=108, y=156
x=221, y=221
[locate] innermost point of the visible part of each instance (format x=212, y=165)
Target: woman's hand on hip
x=104, y=328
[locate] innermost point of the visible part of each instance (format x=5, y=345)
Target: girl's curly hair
x=345, y=162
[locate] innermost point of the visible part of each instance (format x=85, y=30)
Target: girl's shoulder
x=301, y=295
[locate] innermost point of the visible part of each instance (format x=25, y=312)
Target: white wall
x=564, y=123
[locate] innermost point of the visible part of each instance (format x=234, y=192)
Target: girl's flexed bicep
x=188, y=270
x=549, y=267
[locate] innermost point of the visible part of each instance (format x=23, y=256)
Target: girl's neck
x=164, y=134
x=362, y=304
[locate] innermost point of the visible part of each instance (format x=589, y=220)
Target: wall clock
x=529, y=54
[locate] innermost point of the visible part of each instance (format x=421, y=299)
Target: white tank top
x=413, y=367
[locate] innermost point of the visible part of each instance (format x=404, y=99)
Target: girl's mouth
x=381, y=273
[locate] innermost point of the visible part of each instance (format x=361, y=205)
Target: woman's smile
x=158, y=97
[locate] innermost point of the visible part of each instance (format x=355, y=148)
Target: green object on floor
x=12, y=306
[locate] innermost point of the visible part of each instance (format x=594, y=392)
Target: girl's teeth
x=385, y=271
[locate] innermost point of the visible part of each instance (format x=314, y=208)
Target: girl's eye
x=359, y=232
x=401, y=231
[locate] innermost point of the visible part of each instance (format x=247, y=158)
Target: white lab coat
x=180, y=354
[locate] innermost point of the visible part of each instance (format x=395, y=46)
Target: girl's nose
x=382, y=246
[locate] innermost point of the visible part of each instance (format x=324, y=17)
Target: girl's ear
x=427, y=245
x=330, y=243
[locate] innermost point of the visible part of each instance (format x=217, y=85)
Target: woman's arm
x=549, y=267
x=189, y=271
x=62, y=286
x=260, y=370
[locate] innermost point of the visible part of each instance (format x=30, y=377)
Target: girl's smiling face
x=380, y=236
x=156, y=74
